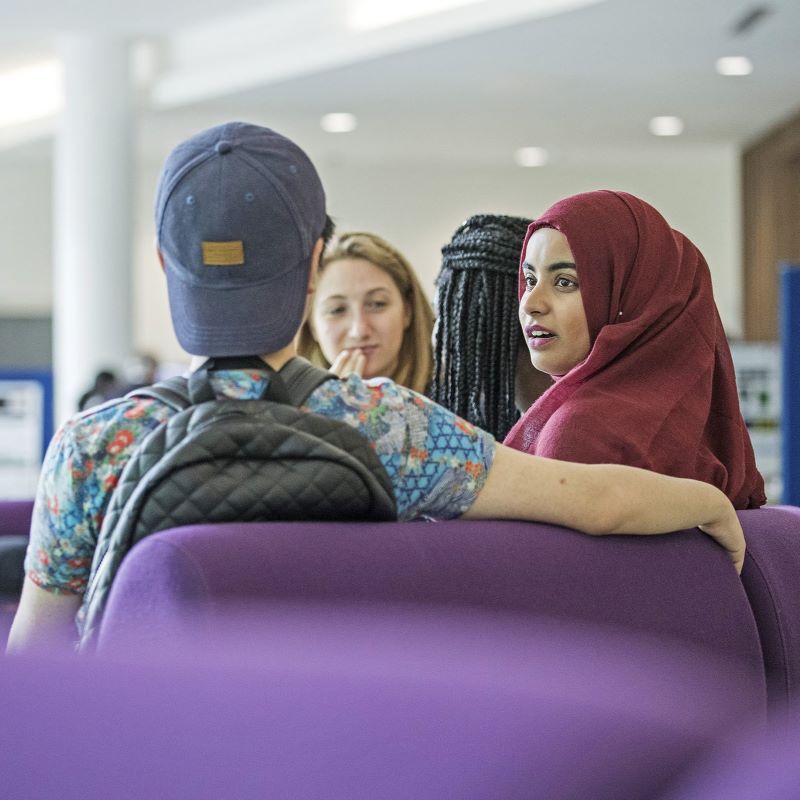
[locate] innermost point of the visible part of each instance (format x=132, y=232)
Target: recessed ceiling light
x=531, y=156
x=734, y=65
x=666, y=126
x=32, y=92
x=339, y=122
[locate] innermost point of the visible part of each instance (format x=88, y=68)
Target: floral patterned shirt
x=436, y=461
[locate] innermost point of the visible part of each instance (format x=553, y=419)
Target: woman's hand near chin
x=349, y=362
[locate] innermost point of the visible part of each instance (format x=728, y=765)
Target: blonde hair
x=415, y=359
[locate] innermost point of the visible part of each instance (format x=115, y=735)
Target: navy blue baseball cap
x=238, y=211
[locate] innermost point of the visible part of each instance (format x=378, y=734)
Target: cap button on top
x=223, y=147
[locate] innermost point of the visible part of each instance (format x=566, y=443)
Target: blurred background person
x=139, y=369
x=370, y=315
x=105, y=387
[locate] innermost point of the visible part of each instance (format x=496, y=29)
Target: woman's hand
x=727, y=531
x=349, y=362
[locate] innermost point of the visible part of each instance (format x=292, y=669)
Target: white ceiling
x=21, y=17
x=467, y=85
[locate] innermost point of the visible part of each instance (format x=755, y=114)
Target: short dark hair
x=328, y=230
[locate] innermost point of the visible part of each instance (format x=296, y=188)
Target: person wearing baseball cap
x=241, y=223
x=239, y=212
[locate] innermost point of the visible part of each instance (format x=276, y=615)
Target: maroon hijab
x=657, y=389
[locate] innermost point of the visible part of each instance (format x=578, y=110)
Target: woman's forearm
x=602, y=499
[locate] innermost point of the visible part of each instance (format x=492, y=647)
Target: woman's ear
x=408, y=315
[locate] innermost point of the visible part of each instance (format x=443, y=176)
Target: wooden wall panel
x=771, y=225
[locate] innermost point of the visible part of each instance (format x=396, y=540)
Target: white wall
x=26, y=221
x=419, y=207
x=416, y=206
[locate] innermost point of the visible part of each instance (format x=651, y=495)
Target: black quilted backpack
x=228, y=460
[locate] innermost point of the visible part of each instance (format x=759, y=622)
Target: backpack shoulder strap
x=297, y=377
x=300, y=378
x=172, y=391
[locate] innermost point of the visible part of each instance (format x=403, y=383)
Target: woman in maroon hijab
x=617, y=307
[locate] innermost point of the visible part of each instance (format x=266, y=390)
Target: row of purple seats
x=335, y=701
x=460, y=659
x=679, y=587
x=675, y=586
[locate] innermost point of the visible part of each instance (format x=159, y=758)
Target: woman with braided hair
x=370, y=316
x=618, y=308
x=477, y=370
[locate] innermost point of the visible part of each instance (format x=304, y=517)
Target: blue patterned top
x=436, y=461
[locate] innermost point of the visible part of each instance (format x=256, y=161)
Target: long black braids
x=477, y=331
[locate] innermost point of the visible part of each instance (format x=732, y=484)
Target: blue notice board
x=26, y=427
x=790, y=347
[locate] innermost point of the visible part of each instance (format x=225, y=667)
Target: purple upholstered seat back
x=771, y=578
x=330, y=703
x=679, y=587
x=15, y=517
x=764, y=764
x=15, y=524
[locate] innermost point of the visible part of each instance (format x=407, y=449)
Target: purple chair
x=679, y=588
x=15, y=524
x=371, y=702
x=763, y=765
x=771, y=578
x=15, y=517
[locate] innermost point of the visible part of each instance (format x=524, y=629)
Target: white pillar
x=92, y=216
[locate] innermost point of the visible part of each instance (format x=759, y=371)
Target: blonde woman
x=370, y=316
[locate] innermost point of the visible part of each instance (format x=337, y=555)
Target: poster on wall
x=25, y=429
x=758, y=378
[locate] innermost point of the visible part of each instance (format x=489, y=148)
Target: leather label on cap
x=223, y=254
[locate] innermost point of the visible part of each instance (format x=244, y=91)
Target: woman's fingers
x=728, y=533
x=337, y=368
x=349, y=362
x=360, y=364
